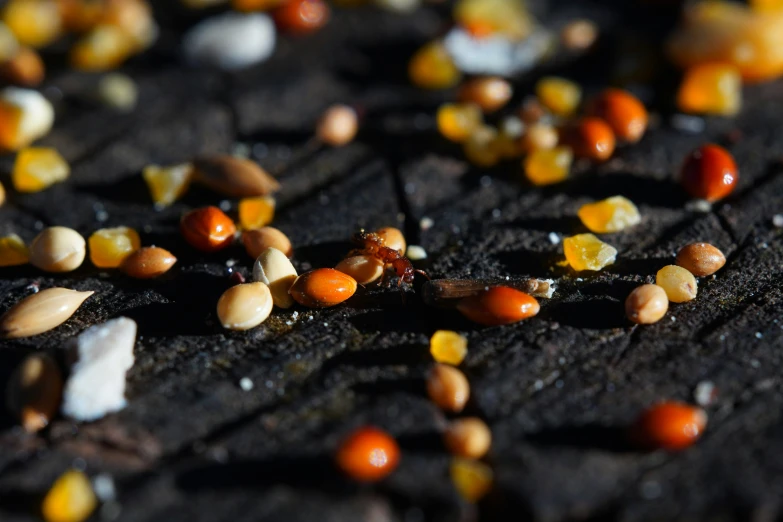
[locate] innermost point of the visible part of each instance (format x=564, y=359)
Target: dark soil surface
x=557, y=390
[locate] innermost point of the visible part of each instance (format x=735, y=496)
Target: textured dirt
x=557, y=390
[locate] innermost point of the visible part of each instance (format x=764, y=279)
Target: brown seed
x=539, y=136
x=34, y=391
x=58, y=249
x=2, y=194
x=647, y=304
x=258, y=240
x=701, y=259
x=469, y=437
x=579, y=35
x=25, y=69
x=39, y=313
x=322, y=287
x=448, y=388
x=337, y=126
x=148, y=263
x=365, y=269
x=233, y=177
x=393, y=238
x=489, y=93
x=244, y=306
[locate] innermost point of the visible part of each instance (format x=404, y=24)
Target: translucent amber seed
x=539, y=136
x=647, y=304
x=458, y=121
x=302, y=16
x=489, y=93
x=701, y=259
x=167, y=184
x=711, y=88
x=469, y=437
x=256, y=212
x=448, y=388
x=36, y=23
x=609, y=215
x=498, y=305
x=13, y=251
x=587, y=252
x=37, y=168
x=559, y=95
x=679, y=284
x=481, y=147
x=71, y=498
x=547, y=166
x=109, y=247
x=471, y=478
x=368, y=454
x=709, y=172
x=622, y=111
x=448, y=347
x=103, y=48
x=669, y=425
x=590, y=138
x=432, y=68
x=509, y=19
x=208, y=229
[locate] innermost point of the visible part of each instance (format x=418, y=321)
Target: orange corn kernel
x=302, y=16
x=448, y=347
x=590, y=138
x=624, y=112
x=25, y=69
x=368, y=455
x=669, y=425
x=256, y=212
x=322, y=288
x=711, y=88
x=432, y=68
x=208, y=229
x=71, y=498
x=498, y=305
x=109, y=247
x=167, y=184
x=37, y=168
x=709, y=172
x=547, y=166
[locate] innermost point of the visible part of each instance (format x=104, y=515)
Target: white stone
x=246, y=384
x=231, y=41
x=496, y=54
x=101, y=356
x=416, y=253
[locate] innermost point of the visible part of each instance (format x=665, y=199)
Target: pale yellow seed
x=579, y=35
x=539, y=136
x=244, y=306
x=34, y=391
x=393, y=238
x=469, y=437
x=274, y=269
x=679, y=284
x=258, y=240
x=647, y=304
x=337, y=126
x=58, y=249
x=448, y=388
x=365, y=269
x=41, y=312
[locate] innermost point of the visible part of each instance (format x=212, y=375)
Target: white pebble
x=103, y=485
x=698, y=205
x=496, y=54
x=231, y=41
x=416, y=253
x=246, y=384
x=704, y=394
x=101, y=357
x=777, y=220
x=426, y=223
x=554, y=238
x=118, y=91
x=688, y=124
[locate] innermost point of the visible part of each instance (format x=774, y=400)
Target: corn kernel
x=37, y=168
x=9, y=46
x=134, y=18
x=711, y=88
x=448, y=347
x=167, y=184
x=587, y=252
x=25, y=116
x=481, y=147
x=679, y=284
x=766, y=5
x=509, y=18
x=471, y=478
x=110, y=246
x=609, y=215
x=2, y=194
x=13, y=251
x=256, y=212
x=36, y=23
x=104, y=47
x=539, y=135
x=457, y=122
x=71, y=498
x=432, y=68
x=547, y=166
x=559, y=95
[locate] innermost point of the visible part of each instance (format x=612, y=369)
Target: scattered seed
x=26, y=68
x=244, y=306
x=646, y=304
x=559, y=95
x=274, y=269
x=623, y=112
x=13, y=251
x=701, y=259
x=365, y=269
x=208, y=229
x=431, y=67
x=337, y=126
x=71, y=498
x=34, y=391
x=233, y=177
x=497, y=306
x=579, y=35
x=416, y=253
x=38, y=168
x=469, y=437
x=539, y=136
x=41, y=312
x=458, y=121
x=446, y=293
x=256, y=241
x=58, y=249
x=392, y=238
x=590, y=138
x=471, y=478
x=256, y=212
x=548, y=166
x=609, y=215
x=109, y=247
x=322, y=288
x=167, y=184
x=448, y=388
x=231, y=41
x=669, y=425
x=118, y=91
x=368, y=455
x=709, y=172
x=26, y=116
x=301, y=16
x=678, y=283
x=448, y=347
x=490, y=93
x=587, y=252
x=148, y=263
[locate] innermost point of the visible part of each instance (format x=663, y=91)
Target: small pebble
x=416, y=253
x=777, y=220
x=688, y=124
x=554, y=238
x=231, y=41
x=246, y=384
x=705, y=393
x=118, y=91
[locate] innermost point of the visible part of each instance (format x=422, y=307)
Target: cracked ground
x=557, y=390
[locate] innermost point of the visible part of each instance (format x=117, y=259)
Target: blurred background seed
x=233, y=177
x=34, y=391
x=469, y=437
x=256, y=241
x=338, y=125
x=448, y=388
x=148, y=263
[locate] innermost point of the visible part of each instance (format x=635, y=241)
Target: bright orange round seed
x=669, y=425
x=368, y=454
x=322, y=288
x=590, y=138
x=302, y=16
x=498, y=305
x=709, y=172
x=623, y=111
x=209, y=229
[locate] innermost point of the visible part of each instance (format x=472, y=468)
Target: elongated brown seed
x=244, y=306
x=148, y=263
x=448, y=388
x=234, y=177
x=700, y=259
x=256, y=241
x=41, y=312
x=647, y=304
x=469, y=437
x=58, y=249
x=34, y=391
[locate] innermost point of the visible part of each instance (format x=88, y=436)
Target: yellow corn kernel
x=678, y=283
x=509, y=18
x=448, y=347
x=37, y=168
x=766, y=5
x=110, y=246
x=559, y=95
x=25, y=116
x=481, y=148
x=547, y=166
x=13, y=251
x=609, y=215
x=71, y=498
x=432, y=68
x=457, y=121
x=167, y=184
x=472, y=479
x=256, y=212
x=36, y=23
x=587, y=252
x=711, y=88
x=105, y=47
